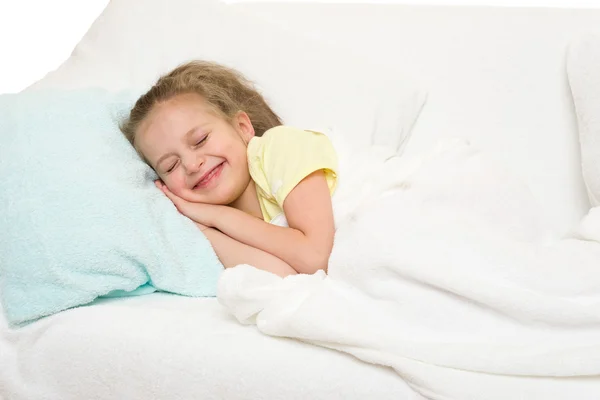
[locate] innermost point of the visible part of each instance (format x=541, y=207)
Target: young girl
x=260, y=191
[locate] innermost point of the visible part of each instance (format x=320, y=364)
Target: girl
x=260, y=191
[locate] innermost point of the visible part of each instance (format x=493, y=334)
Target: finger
x=163, y=188
x=170, y=195
x=173, y=197
x=179, y=203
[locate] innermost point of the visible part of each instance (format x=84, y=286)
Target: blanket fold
x=448, y=274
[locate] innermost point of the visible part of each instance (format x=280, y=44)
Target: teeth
x=210, y=174
x=207, y=178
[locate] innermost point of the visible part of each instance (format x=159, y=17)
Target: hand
x=204, y=215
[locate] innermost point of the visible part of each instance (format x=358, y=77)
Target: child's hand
x=203, y=214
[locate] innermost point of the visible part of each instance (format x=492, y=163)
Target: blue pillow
x=80, y=216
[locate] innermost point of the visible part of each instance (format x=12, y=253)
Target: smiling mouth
x=210, y=177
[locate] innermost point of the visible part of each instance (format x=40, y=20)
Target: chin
x=214, y=198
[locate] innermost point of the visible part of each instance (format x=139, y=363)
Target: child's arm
x=232, y=252
x=306, y=245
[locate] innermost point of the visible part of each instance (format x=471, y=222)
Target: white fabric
x=583, y=67
x=128, y=347
x=307, y=82
x=447, y=273
x=494, y=75
x=163, y=346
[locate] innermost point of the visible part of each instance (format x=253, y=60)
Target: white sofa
x=493, y=75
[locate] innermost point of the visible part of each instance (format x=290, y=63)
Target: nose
x=192, y=163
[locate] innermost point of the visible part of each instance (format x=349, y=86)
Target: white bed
x=493, y=75
x=170, y=347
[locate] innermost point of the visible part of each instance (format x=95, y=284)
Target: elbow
x=313, y=261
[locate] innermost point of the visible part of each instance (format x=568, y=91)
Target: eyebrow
x=164, y=156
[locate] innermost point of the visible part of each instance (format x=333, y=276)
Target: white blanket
x=443, y=270
x=583, y=71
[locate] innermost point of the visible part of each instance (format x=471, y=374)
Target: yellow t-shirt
x=281, y=158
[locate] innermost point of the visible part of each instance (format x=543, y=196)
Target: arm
x=306, y=245
x=232, y=253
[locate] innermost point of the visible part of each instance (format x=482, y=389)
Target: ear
x=244, y=126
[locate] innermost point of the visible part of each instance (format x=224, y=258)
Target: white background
x=36, y=36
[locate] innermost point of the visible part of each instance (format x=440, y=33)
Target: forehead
x=169, y=121
x=177, y=112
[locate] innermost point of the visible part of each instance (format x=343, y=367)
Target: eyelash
x=172, y=167
x=202, y=140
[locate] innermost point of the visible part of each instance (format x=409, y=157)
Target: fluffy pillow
x=310, y=84
x=80, y=215
x=583, y=69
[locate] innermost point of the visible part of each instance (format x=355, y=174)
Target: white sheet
x=170, y=347
x=446, y=273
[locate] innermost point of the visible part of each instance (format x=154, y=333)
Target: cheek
x=236, y=153
x=222, y=148
x=175, y=183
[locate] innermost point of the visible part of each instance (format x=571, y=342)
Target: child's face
x=199, y=156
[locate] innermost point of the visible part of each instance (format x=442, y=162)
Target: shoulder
x=284, y=133
x=283, y=156
x=285, y=138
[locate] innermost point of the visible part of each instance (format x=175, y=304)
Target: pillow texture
x=309, y=83
x=79, y=212
x=583, y=69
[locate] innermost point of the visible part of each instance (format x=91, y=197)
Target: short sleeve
x=284, y=156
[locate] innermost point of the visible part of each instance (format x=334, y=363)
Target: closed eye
x=171, y=167
x=204, y=138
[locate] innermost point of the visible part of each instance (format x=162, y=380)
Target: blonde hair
x=224, y=89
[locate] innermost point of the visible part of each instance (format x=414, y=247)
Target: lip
x=209, y=176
